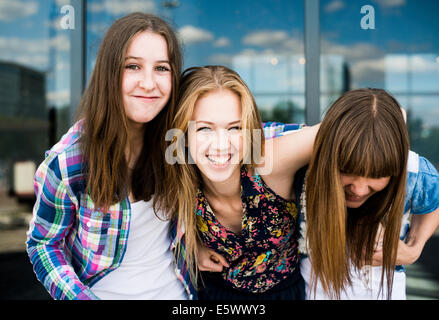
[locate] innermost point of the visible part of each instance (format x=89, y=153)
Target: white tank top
x=146, y=271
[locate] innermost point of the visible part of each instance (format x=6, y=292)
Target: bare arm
x=285, y=155
x=422, y=228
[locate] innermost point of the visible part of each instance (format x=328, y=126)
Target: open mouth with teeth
x=219, y=160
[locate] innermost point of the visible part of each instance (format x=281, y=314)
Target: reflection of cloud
x=222, y=42
x=220, y=59
x=191, y=34
x=120, y=7
x=365, y=61
x=334, y=6
x=32, y=52
x=368, y=71
x=417, y=63
x=12, y=10
x=265, y=38
x=391, y=3
x=276, y=39
x=58, y=97
x=63, y=2
x=360, y=50
x=98, y=27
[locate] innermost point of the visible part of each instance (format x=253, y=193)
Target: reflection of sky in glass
x=271, y=73
x=262, y=40
x=31, y=35
x=415, y=73
x=401, y=54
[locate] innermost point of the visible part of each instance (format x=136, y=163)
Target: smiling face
x=359, y=189
x=147, y=80
x=215, y=141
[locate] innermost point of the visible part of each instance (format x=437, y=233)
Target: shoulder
x=419, y=165
x=69, y=142
x=64, y=160
x=422, y=184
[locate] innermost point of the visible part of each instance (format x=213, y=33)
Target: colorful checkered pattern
x=72, y=244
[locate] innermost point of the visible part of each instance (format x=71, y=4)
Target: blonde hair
x=363, y=134
x=183, y=178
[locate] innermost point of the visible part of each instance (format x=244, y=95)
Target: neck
x=225, y=190
x=135, y=143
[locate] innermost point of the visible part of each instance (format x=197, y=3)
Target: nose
x=220, y=141
x=147, y=82
x=359, y=187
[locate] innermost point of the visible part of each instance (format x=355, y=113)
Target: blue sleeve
x=425, y=197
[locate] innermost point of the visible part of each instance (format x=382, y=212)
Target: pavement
x=18, y=281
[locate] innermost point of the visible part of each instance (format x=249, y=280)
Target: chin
x=218, y=176
x=354, y=205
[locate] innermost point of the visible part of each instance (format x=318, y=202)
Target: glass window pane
x=391, y=45
x=34, y=89
x=261, y=40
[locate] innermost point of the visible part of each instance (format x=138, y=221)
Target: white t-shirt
x=365, y=284
x=146, y=271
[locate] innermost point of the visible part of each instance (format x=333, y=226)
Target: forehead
x=222, y=105
x=148, y=45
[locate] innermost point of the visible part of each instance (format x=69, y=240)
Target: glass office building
x=297, y=56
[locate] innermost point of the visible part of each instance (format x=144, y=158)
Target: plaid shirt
x=72, y=245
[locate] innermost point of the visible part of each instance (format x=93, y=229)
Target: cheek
x=381, y=186
x=237, y=141
x=197, y=145
x=165, y=85
x=128, y=84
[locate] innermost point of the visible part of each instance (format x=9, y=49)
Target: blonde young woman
x=228, y=197
x=95, y=232
x=361, y=185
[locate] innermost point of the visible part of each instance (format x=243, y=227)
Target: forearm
x=422, y=227
x=55, y=273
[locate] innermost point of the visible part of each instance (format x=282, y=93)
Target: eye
x=163, y=68
x=203, y=129
x=132, y=67
x=235, y=128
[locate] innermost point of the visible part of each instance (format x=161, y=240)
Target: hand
x=407, y=253
x=209, y=260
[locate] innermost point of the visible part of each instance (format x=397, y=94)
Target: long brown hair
x=363, y=134
x=105, y=127
x=183, y=178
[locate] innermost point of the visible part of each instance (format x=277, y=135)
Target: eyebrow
x=140, y=58
x=208, y=122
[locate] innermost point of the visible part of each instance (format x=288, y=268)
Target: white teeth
x=219, y=160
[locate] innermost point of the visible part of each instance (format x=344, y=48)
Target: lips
x=219, y=160
x=147, y=98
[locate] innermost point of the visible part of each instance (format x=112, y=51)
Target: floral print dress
x=265, y=253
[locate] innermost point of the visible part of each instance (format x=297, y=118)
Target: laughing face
x=215, y=142
x=359, y=189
